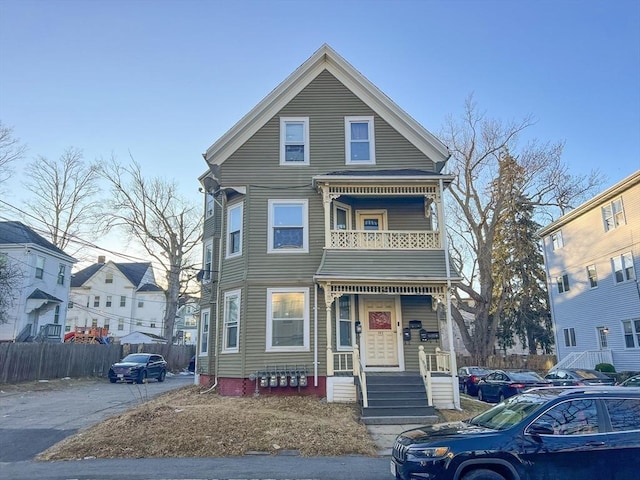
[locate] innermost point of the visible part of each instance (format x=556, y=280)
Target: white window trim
x=344, y=348
x=624, y=268
x=616, y=224
x=305, y=346
x=634, y=334
x=305, y=226
x=283, y=132
x=556, y=240
x=347, y=208
x=203, y=314
x=230, y=210
x=236, y=349
x=207, y=244
x=209, y=205
x=347, y=140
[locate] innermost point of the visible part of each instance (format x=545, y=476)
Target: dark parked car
x=468, y=378
x=631, y=382
x=555, y=433
x=578, y=376
x=501, y=384
x=139, y=367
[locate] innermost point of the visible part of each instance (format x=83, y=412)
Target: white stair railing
x=358, y=371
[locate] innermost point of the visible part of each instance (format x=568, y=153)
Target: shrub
x=606, y=368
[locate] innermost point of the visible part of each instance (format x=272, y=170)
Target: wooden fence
x=537, y=363
x=22, y=362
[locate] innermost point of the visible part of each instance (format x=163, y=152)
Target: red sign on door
x=379, y=320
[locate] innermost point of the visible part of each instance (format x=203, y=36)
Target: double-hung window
x=96, y=301
x=123, y=301
x=56, y=314
x=613, y=215
x=343, y=320
x=287, y=319
x=294, y=141
x=234, y=227
x=61, y=273
x=204, y=332
x=592, y=275
x=207, y=262
x=231, y=321
x=108, y=278
x=208, y=207
x=556, y=240
x=563, y=283
x=288, y=226
x=39, y=266
x=359, y=140
x=109, y=300
x=569, y=337
x=623, y=269
x=631, y=329
x=120, y=324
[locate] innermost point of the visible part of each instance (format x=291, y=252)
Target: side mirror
x=540, y=428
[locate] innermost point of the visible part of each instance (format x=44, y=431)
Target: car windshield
x=588, y=374
x=510, y=412
x=136, y=358
x=478, y=371
x=525, y=377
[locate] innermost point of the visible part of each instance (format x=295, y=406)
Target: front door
x=380, y=334
x=371, y=221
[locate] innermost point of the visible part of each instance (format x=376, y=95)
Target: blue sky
x=164, y=79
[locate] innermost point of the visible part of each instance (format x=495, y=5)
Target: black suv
x=545, y=433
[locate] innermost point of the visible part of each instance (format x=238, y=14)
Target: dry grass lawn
x=186, y=423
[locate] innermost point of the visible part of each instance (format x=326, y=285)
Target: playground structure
x=88, y=335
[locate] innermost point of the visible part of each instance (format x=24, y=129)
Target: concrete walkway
x=385, y=435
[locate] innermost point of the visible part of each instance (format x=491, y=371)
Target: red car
x=468, y=378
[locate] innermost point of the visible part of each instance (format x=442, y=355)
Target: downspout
x=315, y=335
x=217, y=334
x=445, y=244
x=556, y=334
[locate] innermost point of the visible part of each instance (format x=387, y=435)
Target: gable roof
x=134, y=272
x=17, y=233
x=149, y=287
x=325, y=58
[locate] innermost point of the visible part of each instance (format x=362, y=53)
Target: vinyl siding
x=418, y=308
x=582, y=307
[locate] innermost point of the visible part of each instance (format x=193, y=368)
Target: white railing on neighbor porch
x=342, y=363
x=439, y=361
x=362, y=376
x=587, y=359
x=384, y=240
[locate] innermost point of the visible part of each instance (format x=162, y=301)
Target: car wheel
x=501, y=397
x=465, y=389
x=480, y=395
x=163, y=374
x=142, y=378
x=483, y=474
x=113, y=380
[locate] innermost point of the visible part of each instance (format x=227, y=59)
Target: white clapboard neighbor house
x=592, y=258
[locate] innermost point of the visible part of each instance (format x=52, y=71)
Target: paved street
x=31, y=421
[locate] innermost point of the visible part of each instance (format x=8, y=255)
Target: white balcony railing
x=385, y=240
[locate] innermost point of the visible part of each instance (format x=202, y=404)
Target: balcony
x=384, y=240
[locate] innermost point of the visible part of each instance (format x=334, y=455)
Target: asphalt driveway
x=31, y=420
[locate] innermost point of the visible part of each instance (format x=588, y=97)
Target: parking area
x=31, y=420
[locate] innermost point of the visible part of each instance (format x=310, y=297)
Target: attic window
x=359, y=140
x=294, y=141
x=108, y=278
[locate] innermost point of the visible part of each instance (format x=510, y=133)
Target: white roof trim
x=325, y=58
x=608, y=194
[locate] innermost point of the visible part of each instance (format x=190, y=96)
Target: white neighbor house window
x=631, y=329
x=207, y=261
x=288, y=226
x=343, y=323
x=569, y=337
x=287, y=319
x=592, y=275
x=359, y=140
x=234, y=231
x=623, y=268
x=61, y=272
x=39, y=266
x=613, y=215
x=556, y=240
x=294, y=141
x=204, y=332
x=230, y=342
x=563, y=283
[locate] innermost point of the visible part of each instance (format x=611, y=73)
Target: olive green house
x=325, y=267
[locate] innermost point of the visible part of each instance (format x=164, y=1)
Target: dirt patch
x=45, y=385
x=186, y=423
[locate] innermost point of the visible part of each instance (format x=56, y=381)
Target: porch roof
x=384, y=265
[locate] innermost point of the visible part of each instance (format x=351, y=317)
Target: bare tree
x=10, y=151
x=63, y=195
x=478, y=145
x=151, y=212
x=10, y=280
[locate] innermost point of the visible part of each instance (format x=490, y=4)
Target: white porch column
x=445, y=244
x=326, y=203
